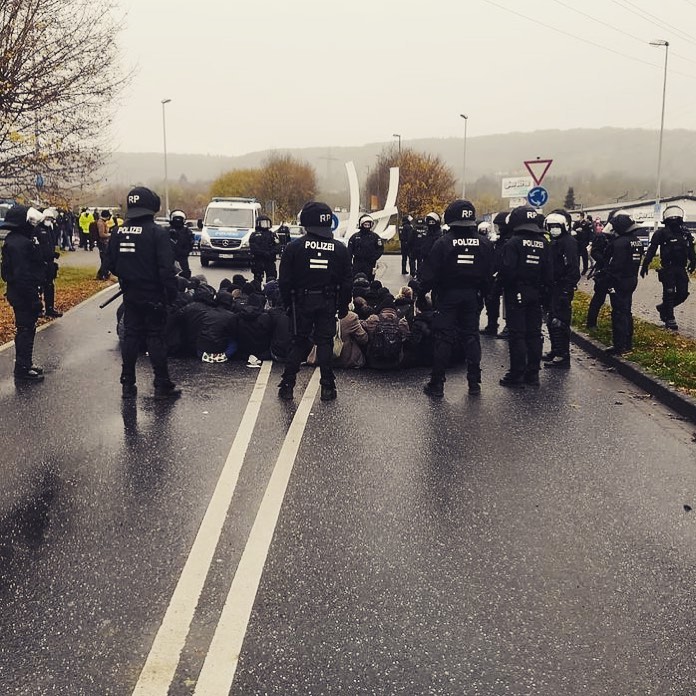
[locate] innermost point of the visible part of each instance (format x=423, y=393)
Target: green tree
x=569, y=203
x=239, y=182
x=285, y=185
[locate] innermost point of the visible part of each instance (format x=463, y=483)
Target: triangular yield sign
x=538, y=168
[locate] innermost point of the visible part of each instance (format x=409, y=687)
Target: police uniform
x=365, y=247
x=182, y=240
x=566, y=274
x=433, y=232
x=624, y=255
x=405, y=234
x=315, y=284
x=141, y=255
x=494, y=295
x=46, y=234
x=526, y=276
x=459, y=270
x=676, y=247
x=600, y=245
x=263, y=245
x=23, y=269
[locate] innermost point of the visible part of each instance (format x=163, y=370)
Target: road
x=533, y=542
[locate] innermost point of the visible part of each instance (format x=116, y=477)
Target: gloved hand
x=644, y=271
x=342, y=312
x=692, y=267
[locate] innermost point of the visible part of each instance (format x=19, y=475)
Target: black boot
x=328, y=392
x=285, y=390
x=168, y=391
x=510, y=380
x=27, y=374
x=53, y=312
x=561, y=362
x=435, y=388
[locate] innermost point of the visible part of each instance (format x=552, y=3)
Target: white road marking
x=220, y=664
x=162, y=661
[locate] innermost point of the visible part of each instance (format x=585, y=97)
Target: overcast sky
x=256, y=74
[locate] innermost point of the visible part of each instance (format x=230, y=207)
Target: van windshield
x=229, y=217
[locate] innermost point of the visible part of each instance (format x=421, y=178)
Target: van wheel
x=205, y=262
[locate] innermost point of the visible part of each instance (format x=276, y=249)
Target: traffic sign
x=516, y=186
x=538, y=197
x=334, y=222
x=538, y=168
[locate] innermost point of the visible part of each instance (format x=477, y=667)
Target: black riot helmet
x=460, y=213
x=177, y=219
x=673, y=216
x=621, y=222
x=525, y=219
x=366, y=222
x=263, y=222
x=432, y=220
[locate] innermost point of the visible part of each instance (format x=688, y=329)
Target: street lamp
x=397, y=135
x=166, y=177
x=660, y=42
x=466, y=123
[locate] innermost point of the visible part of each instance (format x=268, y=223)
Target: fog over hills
x=579, y=152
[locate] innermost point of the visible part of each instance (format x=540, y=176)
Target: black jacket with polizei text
x=142, y=256
x=623, y=256
x=461, y=258
x=526, y=262
x=315, y=262
x=22, y=266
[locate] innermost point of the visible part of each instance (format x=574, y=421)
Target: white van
x=227, y=226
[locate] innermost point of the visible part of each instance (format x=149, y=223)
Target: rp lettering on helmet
x=531, y=215
x=133, y=199
x=467, y=214
x=325, y=218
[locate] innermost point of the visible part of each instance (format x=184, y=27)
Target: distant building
x=644, y=211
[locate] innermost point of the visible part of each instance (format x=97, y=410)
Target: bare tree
x=59, y=81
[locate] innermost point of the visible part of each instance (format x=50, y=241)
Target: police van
x=226, y=228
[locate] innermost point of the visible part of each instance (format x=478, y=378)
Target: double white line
x=223, y=655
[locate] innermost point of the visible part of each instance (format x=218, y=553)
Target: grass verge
x=663, y=353
x=73, y=285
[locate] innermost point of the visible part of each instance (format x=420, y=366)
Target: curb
x=684, y=405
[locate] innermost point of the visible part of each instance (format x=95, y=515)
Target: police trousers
x=558, y=323
x=621, y=314
x=523, y=316
x=26, y=307
x=261, y=265
x=456, y=328
x=599, y=297
x=144, y=321
x=675, y=288
x=314, y=322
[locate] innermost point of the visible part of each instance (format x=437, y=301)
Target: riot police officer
x=676, y=247
x=600, y=245
x=566, y=274
x=526, y=276
x=263, y=245
x=433, y=233
x=405, y=234
x=494, y=295
x=315, y=284
x=459, y=270
x=142, y=257
x=365, y=247
x=23, y=269
x=182, y=238
x=623, y=255
x=46, y=233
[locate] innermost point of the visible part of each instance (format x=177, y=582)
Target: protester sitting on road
x=354, y=338
x=386, y=335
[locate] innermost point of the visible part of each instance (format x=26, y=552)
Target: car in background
x=196, y=229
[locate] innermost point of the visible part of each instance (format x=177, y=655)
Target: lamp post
x=466, y=123
x=660, y=42
x=166, y=177
x=398, y=135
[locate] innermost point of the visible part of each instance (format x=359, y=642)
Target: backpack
x=385, y=344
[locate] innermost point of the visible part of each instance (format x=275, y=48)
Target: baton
x=294, y=313
x=111, y=299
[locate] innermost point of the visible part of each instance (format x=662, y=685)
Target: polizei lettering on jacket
x=466, y=242
x=532, y=243
x=319, y=246
x=130, y=230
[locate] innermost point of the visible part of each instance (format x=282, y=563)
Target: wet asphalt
x=531, y=542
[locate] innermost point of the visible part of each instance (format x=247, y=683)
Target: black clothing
x=141, y=256
x=600, y=244
x=623, y=257
x=405, y=234
x=583, y=236
x=676, y=247
x=183, y=241
x=426, y=243
x=24, y=270
x=263, y=246
x=526, y=274
x=48, y=241
x=315, y=282
x=364, y=248
x=459, y=270
x=566, y=274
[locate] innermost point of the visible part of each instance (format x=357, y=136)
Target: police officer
x=315, y=284
x=676, y=247
x=405, y=234
x=23, y=269
x=623, y=255
x=495, y=293
x=182, y=239
x=566, y=274
x=433, y=226
x=415, y=244
x=600, y=245
x=141, y=255
x=263, y=245
x=526, y=276
x=47, y=235
x=365, y=247
x=459, y=270
x=584, y=233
